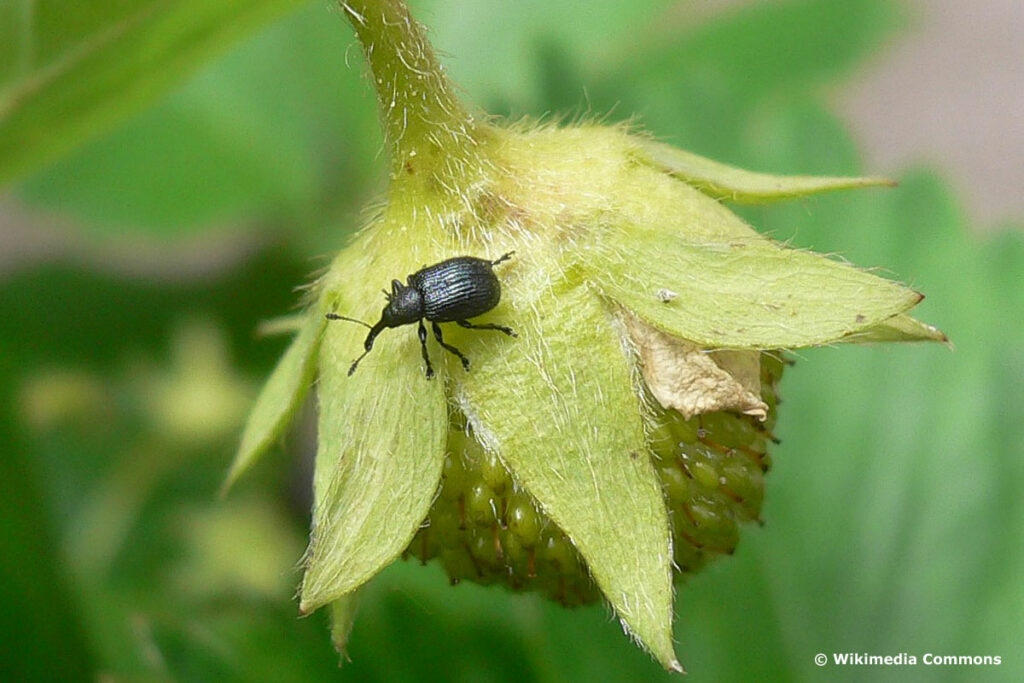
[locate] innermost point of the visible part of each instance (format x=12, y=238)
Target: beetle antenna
x=335, y=316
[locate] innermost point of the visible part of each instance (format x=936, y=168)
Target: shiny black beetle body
x=459, y=288
x=450, y=291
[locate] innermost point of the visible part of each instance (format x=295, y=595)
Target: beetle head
x=405, y=305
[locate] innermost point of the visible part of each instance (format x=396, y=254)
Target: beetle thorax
x=405, y=306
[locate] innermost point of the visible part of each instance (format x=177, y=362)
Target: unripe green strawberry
x=624, y=430
x=489, y=531
x=486, y=530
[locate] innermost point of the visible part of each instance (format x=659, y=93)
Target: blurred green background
x=175, y=173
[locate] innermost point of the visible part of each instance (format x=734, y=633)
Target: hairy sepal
x=381, y=437
x=739, y=294
x=343, y=616
x=569, y=427
x=739, y=185
x=899, y=328
x=279, y=398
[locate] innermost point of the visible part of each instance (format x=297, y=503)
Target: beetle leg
x=423, y=345
x=367, y=345
x=449, y=347
x=487, y=326
x=504, y=257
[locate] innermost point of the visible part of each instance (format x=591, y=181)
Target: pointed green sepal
x=285, y=324
x=900, y=328
x=741, y=294
x=558, y=407
x=740, y=186
x=343, y=616
x=279, y=399
x=381, y=436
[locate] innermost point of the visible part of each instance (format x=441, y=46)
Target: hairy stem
x=427, y=129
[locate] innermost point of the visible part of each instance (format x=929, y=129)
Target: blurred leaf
x=79, y=67
x=413, y=626
x=133, y=512
x=493, y=43
x=765, y=46
x=243, y=641
x=40, y=628
x=700, y=85
x=279, y=126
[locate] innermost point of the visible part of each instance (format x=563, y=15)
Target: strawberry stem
x=429, y=133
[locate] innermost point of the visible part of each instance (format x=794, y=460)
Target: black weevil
x=450, y=291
